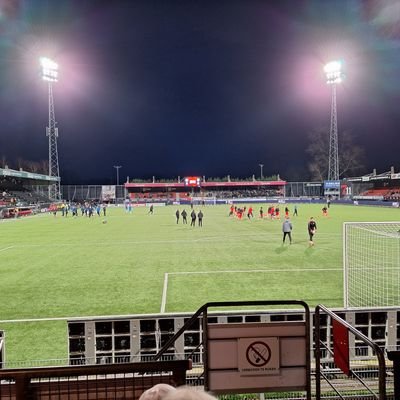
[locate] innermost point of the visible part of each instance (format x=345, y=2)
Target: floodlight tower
x=261, y=170
x=117, y=167
x=50, y=75
x=334, y=75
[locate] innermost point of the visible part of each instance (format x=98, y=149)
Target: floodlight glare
x=334, y=72
x=333, y=66
x=47, y=63
x=49, y=69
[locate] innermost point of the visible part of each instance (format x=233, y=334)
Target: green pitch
x=139, y=263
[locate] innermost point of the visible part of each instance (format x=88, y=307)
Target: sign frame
x=222, y=351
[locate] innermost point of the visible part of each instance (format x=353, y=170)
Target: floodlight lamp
x=47, y=63
x=333, y=66
x=49, y=69
x=334, y=72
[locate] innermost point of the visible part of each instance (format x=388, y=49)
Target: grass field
x=65, y=267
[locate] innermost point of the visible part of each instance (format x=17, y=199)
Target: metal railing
x=365, y=379
x=364, y=364
x=123, y=381
x=203, y=311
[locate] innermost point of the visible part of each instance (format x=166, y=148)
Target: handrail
x=23, y=377
x=101, y=369
x=378, y=351
x=205, y=306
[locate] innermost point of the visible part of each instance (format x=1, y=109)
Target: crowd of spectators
x=246, y=193
x=219, y=194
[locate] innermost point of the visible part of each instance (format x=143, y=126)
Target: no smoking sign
x=258, y=356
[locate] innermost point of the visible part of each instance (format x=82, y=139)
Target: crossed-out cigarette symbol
x=258, y=354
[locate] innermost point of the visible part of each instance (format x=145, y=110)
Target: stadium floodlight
x=261, y=170
x=49, y=69
x=334, y=75
x=117, y=167
x=334, y=72
x=50, y=75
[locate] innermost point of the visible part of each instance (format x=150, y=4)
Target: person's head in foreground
x=188, y=393
x=157, y=392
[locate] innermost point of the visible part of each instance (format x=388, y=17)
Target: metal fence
x=81, y=192
x=382, y=325
x=117, y=381
x=304, y=189
x=344, y=375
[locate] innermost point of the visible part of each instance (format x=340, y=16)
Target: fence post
x=21, y=387
x=395, y=357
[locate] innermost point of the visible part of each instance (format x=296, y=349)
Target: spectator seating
x=376, y=192
x=393, y=194
x=387, y=193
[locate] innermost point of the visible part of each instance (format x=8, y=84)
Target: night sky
x=209, y=87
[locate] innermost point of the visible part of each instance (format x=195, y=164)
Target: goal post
x=371, y=262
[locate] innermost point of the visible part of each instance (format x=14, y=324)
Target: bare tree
x=44, y=167
x=26, y=165
x=3, y=161
x=21, y=163
x=351, y=155
x=34, y=166
x=41, y=166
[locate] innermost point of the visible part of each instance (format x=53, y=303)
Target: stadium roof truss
x=6, y=172
x=375, y=177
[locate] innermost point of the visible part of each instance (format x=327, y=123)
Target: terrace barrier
x=117, y=381
x=343, y=374
x=252, y=357
x=86, y=335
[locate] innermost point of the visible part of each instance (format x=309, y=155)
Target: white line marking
x=7, y=248
x=165, y=286
x=255, y=270
x=79, y=318
x=127, y=242
x=164, y=294
x=144, y=242
x=26, y=218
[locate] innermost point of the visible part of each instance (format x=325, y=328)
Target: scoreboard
x=192, y=181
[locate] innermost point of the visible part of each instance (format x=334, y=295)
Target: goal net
x=371, y=253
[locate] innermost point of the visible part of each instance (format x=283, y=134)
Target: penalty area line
x=166, y=277
x=164, y=294
x=255, y=270
x=7, y=248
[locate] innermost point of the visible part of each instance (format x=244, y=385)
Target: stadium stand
x=379, y=187
x=385, y=193
x=27, y=197
x=198, y=188
x=15, y=190
x=376, y=192
x=393, y=194
x=247, y=193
